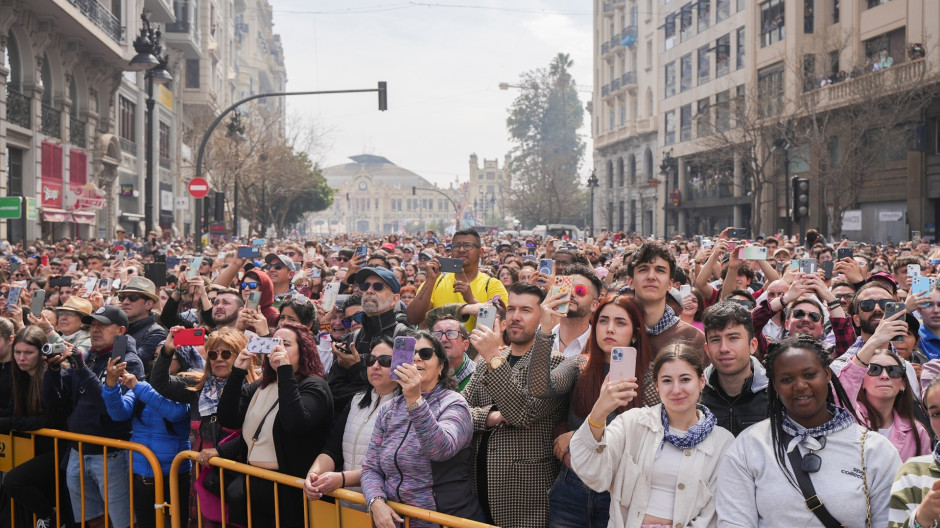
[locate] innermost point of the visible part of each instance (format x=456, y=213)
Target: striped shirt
x=911, y=485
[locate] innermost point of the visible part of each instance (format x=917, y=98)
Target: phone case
x=808, y=265
x=330, y=291
x=486, y=316
x=827, y=268
x=262, y=345
x=890, y=309
x=39, y=301
x=254, y=299
x=921, y=284
x=451, y=265
x=14, y=296
x=563, y=285
x=402, y=353
x=120, y=347
x=194, y=268
x=248, y=252
x=546, y=266
x=844, y=253
x=90, y=284
x=794, y=264
x=913, y=270
x=622, y=363
x=190, y=337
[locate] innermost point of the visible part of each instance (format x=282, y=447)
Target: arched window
x=45, y=77
x=73, y=95
x=620, y=182
x=610, y=174
x=11, y=59
x=648, y=164
x=631, y=168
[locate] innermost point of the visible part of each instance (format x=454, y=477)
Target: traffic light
x=800, y=187
x=383, y=96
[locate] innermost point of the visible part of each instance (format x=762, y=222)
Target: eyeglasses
x=845, y=296
x=276, y=266
x=385, y=361
x=894, y=371
x=425, y=353
x=354, y=319
x=376, y=286
x=449, y=334
x=250, y=285
x=868, y=305
x=291, y=253
x=460, y=246
x=226, y=354
x=879, y=263
x=802, y=314
x=424, y=258
x=132, y=297
x=341, y=259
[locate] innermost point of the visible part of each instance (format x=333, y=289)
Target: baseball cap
x=107, y=315
x=385, y=274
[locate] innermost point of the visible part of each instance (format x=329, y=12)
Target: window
x=192, y=73
x=739, y=48
x=610, y=117
x=835, y=11
x=685, y=123
x=685, y=22
x=741, y=5
x=623, y=114
x=164, y=140
x=723, y=111
x=126, y=126
x=685, y=72
x=772, y=22
x=834, y=64
x=704, y=65
x=770, y=90
x=670, y=28
x=704, y=14
x=809, y=17
x=723, y=11
x=876, y=3
x=809, y=72
x=739, y=105
x=703, y=118
x=723, y=56
x=670, y=70
x=670, y=128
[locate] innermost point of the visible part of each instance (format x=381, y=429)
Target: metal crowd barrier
x=317, y=514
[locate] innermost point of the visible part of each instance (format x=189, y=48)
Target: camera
x=50, y=350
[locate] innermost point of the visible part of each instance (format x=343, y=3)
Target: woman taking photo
x=349, y=440
x=284, y=417
x=644, y=452
x=849, y=468
x=617, y=322
x=915, y=495
x=420, y=448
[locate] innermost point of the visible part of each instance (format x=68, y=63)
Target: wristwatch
x=496, y=362
x=415, y=405
x=369, y=507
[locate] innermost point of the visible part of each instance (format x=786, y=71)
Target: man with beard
x=512, y=444
x=573, y=330
x=225, y=308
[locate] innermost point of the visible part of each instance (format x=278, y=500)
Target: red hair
x=309, y=363
x=588, y=387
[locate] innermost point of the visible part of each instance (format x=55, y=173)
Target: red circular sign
x=198, y=188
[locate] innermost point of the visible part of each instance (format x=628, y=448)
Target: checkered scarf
x=807, y=437
x=665, y=323
x=697, y=433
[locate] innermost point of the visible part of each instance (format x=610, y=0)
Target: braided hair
x=775, y=404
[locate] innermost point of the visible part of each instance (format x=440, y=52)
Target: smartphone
x=14, y=296
x=254, y=298
x=738, y=233
x=44, y=261
x=486, y=316
x=685, y=290
x=193, y=270
x=827, y=269
x=120, y=254
x=913, y=270
x=249, y=252
x=684, y=259
x=622, y=363
x=330, y=291
x=547, y=266
x=14, y=266
x=731, y=246
x=403, y=352
x=315, y=273
x=698, y=240
x=262, y=345
x=190, y=337
x=257, y=242
x=362, y=251
x=451, y=265
x=808, y=265
x=120, y=347
x=794, y=264
x=845, y=253
x=73, y=267
x=90, y=284
x=753, y=253
x=39, y=301
x=104, y=285
x=892, y=308
x=921, y=284
x=562, y=285
x=156, y=272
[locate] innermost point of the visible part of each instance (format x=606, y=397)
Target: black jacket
x=742, y=411
x=148, y=335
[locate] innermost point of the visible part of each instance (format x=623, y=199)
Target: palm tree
x=558, y=70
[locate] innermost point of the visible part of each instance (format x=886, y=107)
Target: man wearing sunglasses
x=280, y=269
x=138, y=298
x=572, y=331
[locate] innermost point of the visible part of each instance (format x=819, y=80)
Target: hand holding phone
x=403, y=352
x=262, y=345
x=189, y=337
x=120, y=347
x=254, y=299
x=563, y=285
x=891, y=309
x=486, y=316
x=622, y=363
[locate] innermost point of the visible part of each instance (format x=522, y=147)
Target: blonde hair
x=231, y=339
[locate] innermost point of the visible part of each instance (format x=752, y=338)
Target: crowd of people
x=623, y=381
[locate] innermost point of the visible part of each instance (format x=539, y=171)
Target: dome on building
x=382, y=171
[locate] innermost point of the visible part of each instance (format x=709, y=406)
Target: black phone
x=60, y=281
x=827, y=269
x=451, y=265
x=156, y=271
x=737, y=233
x=891, y=309
x=119, y=348
x=845, y=253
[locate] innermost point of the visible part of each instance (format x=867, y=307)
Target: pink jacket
x=901, y=435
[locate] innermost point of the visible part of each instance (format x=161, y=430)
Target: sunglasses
x=868, y=305
x=291, y=253
x=449, y=334
x=425, y=353
x=277, y=267
x=355, y=319
x=132, y=297
x=226, y=354
x=802, y=314
x=250, y=285
x=845, y=296
x=384, y=361
x=580, y=290
x=341, y=259
x=894, y=371
x=424, y=258
x=376, y=286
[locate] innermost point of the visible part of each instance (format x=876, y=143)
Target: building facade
x=486, y=195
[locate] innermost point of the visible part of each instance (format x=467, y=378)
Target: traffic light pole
x=414, y=192
x=202, y=220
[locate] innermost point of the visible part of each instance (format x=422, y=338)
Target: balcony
x=128, y=147
x=18, y=109
x=77, y=132
x=102, y=17
x=628, y=34
x=628, y=80
x=51, y=121
x=862, y=86
x=608, y=7
x=605, y=90
x=165, y=163
x=605, y=48
x=184, y=33
x=614, y=85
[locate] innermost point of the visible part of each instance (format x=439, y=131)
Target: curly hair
x=308, y=363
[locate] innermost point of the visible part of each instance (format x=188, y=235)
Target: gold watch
x=496, y=362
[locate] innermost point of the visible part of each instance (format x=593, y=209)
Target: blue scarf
x=841, y=419
x=697, y=433
x=209, y=397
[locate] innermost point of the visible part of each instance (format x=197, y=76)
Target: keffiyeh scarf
x=841, y=419
x=209, y=397
x=697, y=433
x=665, y=322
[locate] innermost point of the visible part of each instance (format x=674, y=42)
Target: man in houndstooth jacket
x=512, y=444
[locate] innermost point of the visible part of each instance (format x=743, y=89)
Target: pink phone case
x=562, y=284
x=622, y=363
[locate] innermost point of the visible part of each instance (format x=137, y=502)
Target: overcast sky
x=443, y=62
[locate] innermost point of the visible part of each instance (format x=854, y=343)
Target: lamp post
x=150, y=58
x=236, y=131
x=592, y=184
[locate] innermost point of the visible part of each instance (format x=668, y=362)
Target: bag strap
x=813, y=502
x=254, y=437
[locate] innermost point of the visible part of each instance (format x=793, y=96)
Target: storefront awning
x=83, y=218
x=55, y=215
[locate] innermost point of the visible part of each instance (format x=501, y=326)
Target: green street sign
x=32, y=209
x=10, y=207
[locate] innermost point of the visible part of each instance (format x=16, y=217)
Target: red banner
x=51, y=181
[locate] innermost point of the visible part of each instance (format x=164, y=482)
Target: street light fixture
x=236, y=131
x=592, y=184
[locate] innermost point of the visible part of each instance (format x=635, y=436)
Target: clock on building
x=363, y=186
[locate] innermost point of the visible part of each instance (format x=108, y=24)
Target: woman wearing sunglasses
x=842, y=469
x=222, y=347
x=352, y=432
x=875, y=379
x=420, y=448
x=915, y=499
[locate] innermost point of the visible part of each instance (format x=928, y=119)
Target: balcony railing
x=51, y=121
x=608, y=7
x=77, y=132
x=614, y=85
x=128, y=147
x=605, y=90
x=165, y=163
x=18, y=109
x=605, y=47
x=102, y=17
x=628, y=78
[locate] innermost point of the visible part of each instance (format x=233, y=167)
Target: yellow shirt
x=483, y=287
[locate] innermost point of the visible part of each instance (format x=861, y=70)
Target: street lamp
x=150, y=58
x=592, y=184
x=236, y=131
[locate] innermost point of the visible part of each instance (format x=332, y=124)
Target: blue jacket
x=929, y=343
x=158, y=418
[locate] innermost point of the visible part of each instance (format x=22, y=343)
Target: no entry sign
x=198, y=188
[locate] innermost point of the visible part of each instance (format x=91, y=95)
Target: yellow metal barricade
x=317, y=514
x=15, y=448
